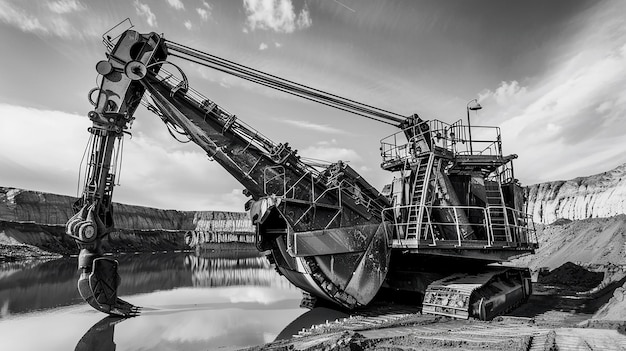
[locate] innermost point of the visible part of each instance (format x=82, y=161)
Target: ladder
x=497, y=211
x=420, y=198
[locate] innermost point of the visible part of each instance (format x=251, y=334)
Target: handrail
x=520, y=224
x=293, y=187
x=450, y=137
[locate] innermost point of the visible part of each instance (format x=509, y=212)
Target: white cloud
x=604, y=107
x=263, y=46
x=39, y=157
x=65, y=6
x=570, y=122
x=177, y=4
x=143, y=10
x=20, y=19
x=204, y=14
x=205, y=11
x=62, y=27
x=53, y=19
x=46, y=148
x=277, y=44
x=277, y=15
x=330, y=154
x=505, y=93
x=304, y=18
x=313, y=126
x=188, y=25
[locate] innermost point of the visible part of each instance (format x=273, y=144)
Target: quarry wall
x=38, y=219
x=597, y=196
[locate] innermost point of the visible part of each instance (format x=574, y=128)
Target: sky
x=550, y=74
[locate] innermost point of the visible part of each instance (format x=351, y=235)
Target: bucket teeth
x=99, y=289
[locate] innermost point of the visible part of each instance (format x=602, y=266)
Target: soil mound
x=615, y=308
x=561, y=221
x=573, y=277
x=597, y=241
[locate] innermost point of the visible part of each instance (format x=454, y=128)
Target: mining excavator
x=440, y=230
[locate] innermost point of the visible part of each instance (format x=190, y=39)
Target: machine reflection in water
x=185, y=295
x=33, y=285
x=100, y=337
x=255, y=271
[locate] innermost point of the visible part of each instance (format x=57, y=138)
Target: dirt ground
x=572, y=308
x=11, y=250
x=578, y=303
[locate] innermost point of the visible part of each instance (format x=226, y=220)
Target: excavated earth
x=32, y=224
x=578, y=303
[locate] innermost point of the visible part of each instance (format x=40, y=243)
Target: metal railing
x=453, y=138
x=519, y=225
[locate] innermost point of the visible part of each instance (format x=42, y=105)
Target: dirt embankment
x=28, y=240
x=593, y=241
x=32, y=225
x=600, y=195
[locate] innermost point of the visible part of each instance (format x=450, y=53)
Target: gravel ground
x=556, y=317
x=16, y=252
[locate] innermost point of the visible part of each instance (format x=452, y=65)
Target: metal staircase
x=497, y=211
x=418, y=223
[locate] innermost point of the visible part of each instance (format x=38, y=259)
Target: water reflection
x=30, y=286
x=191, y=303
x=228, y=272
x=100, y=336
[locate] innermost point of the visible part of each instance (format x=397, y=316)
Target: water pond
x=190, y=303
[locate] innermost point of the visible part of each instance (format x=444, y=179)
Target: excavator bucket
x=99, y=289
x=104, y=281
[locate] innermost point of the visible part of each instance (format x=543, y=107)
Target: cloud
x=277, y=44
x=330, y=153
x=205, y=11
x=313, y=126
x=569, y=122
x=58, y=18
x=263, y=46
x=46, y=157
x=505, y=93
x=38, y=157
x=20, y=19
x=177, y=4
x=188, y=25
x=304, y=18
x=143, y=10
x=276, y=15
x=65, y=6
